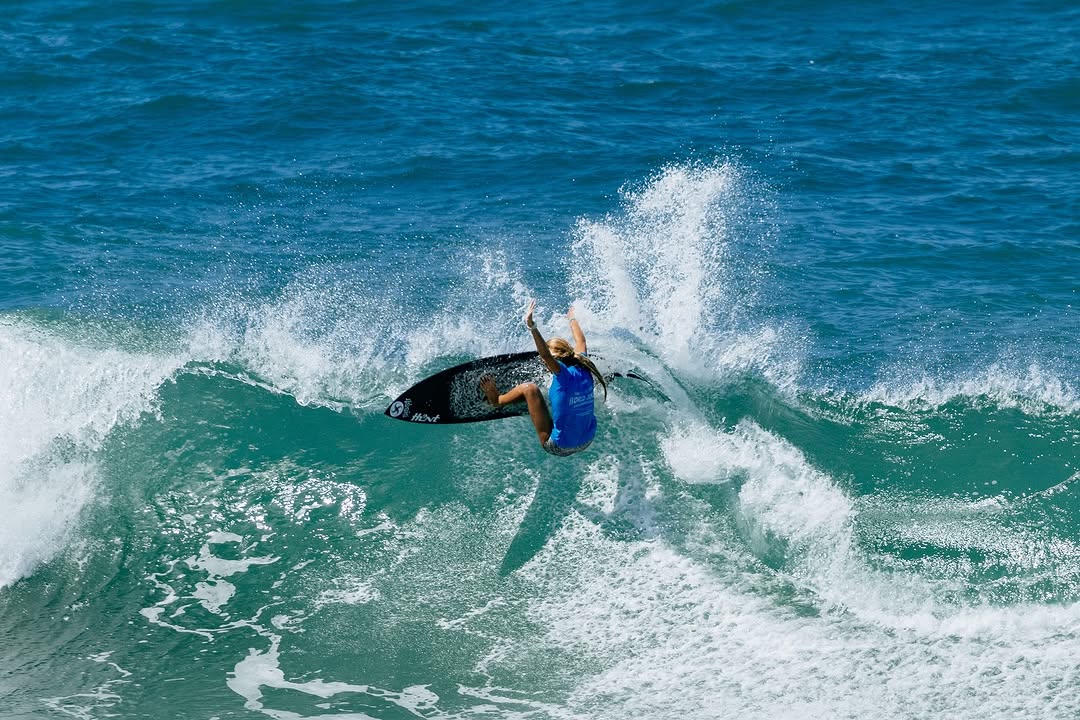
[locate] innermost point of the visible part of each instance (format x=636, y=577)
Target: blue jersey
x=571, y=397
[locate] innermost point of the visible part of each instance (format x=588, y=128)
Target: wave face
x=232, y=491
x=850, y=489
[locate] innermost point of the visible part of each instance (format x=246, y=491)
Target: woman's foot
x=491, y=391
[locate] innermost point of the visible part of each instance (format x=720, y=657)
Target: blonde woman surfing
x=570, y=425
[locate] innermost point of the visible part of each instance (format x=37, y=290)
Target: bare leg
x=530, y=393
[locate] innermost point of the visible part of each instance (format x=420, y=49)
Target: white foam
x=667, y=636
x=799, y=519
x=211, y=591
x=1031, y=389
x=262, y=669
x=356, y=592
x=329, y=348
x=215, y=591
x=59, y=400
x=689, y=451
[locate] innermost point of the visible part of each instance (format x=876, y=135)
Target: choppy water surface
x=842, y=241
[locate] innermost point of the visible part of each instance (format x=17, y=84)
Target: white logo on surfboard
x=397, y=409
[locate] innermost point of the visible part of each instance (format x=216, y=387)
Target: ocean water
x=843, y=240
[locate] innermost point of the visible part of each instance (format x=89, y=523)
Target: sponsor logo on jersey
x=581, y=398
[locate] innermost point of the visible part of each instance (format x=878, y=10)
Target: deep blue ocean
x=842, y=240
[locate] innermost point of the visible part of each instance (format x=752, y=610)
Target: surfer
x=570, y=425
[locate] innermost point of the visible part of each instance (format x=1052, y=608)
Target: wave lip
x=59, y=400
x=1033, y=391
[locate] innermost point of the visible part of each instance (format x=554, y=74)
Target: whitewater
x=840, y=242
x=233, y=491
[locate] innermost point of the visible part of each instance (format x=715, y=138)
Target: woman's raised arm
x=579, y=337
x=541, y=347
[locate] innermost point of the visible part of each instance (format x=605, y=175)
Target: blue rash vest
x=571, y=397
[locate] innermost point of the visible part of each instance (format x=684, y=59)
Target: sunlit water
x=840, y=242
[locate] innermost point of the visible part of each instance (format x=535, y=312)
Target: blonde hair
x=563, y=350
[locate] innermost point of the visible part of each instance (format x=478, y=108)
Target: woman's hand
x=529, y=314
x=570, y=314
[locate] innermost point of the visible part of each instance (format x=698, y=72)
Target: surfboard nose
x=396, y=409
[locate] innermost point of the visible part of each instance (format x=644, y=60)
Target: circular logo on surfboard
x=397, y=409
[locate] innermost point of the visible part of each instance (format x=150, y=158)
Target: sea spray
x=672, y=267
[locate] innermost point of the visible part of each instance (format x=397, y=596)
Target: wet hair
x=563, y=350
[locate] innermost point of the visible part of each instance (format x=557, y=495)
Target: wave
x=664, y=284
x=1033, y=389
x=59, y=401
x=749, y=538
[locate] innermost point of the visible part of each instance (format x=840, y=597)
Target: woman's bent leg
x=530, y=393
x=538, y=410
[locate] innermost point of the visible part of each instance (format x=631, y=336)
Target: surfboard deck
x=454, y=396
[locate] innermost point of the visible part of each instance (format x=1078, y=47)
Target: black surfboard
x=454, y=395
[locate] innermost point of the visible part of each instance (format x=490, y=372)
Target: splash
x=664, y=270
x=332, y=341
x=658, y=279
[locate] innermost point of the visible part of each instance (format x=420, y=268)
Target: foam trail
x=796, y=517
x=672, y=637
x=59, y=402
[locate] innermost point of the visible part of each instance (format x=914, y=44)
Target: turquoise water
x=842, y=240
